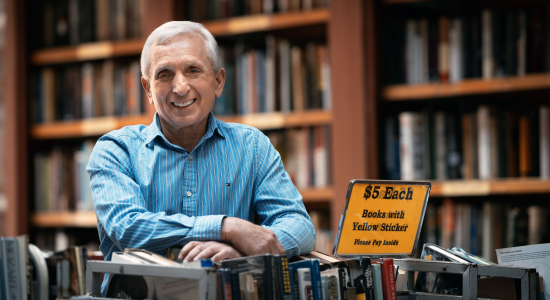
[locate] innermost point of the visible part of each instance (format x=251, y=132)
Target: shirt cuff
x=208, y=228
x=287, y=242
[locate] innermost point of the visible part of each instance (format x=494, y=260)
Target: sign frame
x=352, y=183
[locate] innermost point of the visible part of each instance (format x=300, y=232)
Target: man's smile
x=184, y=104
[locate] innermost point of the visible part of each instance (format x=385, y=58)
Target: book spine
x=388, y=280
x=369, y=280
x=284, y=277
x=484, y=143
x=377, y=277
x=12, y=279
x=225, y=276
x=544, y=132
x=342, y=282
x=235, y=286
x=304, y=284
x=487, y=44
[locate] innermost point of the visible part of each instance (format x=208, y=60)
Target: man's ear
x=147, y=88
x=220, y=82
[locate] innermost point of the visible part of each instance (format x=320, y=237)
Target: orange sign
x=382, y=218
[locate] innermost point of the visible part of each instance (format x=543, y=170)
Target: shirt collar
x=155, y=131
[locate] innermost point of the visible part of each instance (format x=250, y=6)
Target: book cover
x=264, y=269
x=283, y=280
x=313, y=265
x=377, y=277
x=388, y=279
x=304, y=284
x=13, y=287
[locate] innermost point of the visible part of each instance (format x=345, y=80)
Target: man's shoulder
x=237, y=129
x=132, y=132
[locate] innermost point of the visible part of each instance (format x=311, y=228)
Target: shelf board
x=277, y=120
x=87, y=219
x=100, y=126
x=87, y=51
x=405, y=92
x=258, y=23
x=84, y=219
x=232, y=26
x=317, y=195
x=85, y=128
x=510, y=186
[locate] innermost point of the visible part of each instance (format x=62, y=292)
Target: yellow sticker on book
x=382, y=218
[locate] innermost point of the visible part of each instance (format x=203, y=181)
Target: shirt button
x=188, y=193
x=191, y=156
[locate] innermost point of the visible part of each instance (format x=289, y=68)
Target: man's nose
x=180, y=85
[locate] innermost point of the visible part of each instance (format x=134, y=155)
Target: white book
x=544, y=130
x=305, y=287
x=302, y=176
x=270, y=73
x=327, y=93
x=488, y=64
x=455, y=49
x=440, y=146
x=484, y=143
x=407, y=133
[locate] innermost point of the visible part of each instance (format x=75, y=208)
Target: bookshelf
x=27, y=137
x=232, y=26
x=100, y=126
x=444, y=96
x=87, y=219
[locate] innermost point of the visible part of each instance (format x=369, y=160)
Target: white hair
x=173, y=28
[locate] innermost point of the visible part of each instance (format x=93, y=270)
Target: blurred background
x=454, y=92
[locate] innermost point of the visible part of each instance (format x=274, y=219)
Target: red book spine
x=388, y=280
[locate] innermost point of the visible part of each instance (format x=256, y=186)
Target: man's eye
x=194, y=71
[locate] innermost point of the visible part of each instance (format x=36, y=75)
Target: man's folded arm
x=121, y=208
x=278, y=202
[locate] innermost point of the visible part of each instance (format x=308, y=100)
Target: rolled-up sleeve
x=122, y=211
x=278, y=202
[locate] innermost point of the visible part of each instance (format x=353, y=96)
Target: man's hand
x=215, y=250
x=249, y=238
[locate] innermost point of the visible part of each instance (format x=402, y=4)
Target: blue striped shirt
x=151, y=194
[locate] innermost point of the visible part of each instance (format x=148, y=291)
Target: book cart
x=368, y=201
x=205, y=277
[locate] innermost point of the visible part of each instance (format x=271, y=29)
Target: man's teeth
x=183, y=104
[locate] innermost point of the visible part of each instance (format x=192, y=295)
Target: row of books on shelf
x=480, y=228
x=484, y=44
x=305, y=153
x=279, y=76
x=88, y=90
x=29, y=273
x=485, y=143
x=61, y=180
x=72, y=22
x=219, y=9
x=62, y=183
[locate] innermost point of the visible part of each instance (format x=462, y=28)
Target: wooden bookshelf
x=317, y=195
x=84, y=219
x=404, y=92
x=87, y=219
x=232, y=26
x=510, y=186
x=100, y=126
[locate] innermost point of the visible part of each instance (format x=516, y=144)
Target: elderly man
x=189, y=178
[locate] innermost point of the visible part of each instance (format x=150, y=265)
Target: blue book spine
x=225, y=275
x=292, y=282
x=377, y=274
x=315, y=271
x=10, y=262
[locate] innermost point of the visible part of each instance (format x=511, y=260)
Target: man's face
x=182, y=84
